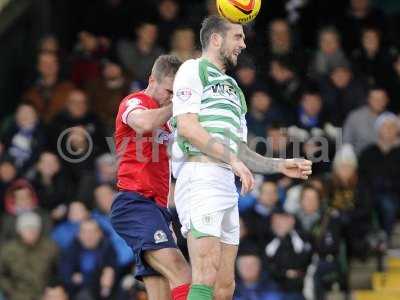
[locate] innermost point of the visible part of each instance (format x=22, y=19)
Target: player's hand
x=296, y=168
x=246, y=177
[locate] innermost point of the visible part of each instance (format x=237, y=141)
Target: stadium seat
x=389, y=281
x=393, y=264
x=375, y=295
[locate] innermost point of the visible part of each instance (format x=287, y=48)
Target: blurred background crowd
x=321, y=79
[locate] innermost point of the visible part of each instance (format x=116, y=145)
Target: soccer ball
x=239, y=11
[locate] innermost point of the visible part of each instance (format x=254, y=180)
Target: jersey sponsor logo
x=160, y=237
x=162, y=136
x=184, y=94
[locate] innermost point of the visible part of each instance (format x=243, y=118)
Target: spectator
x=27, y=263
x=168, y=22
x=246, y=76
x=372, y=60
x=280, y=45
x=53, y=186
x=55, y=292
x=379, y=168
x=65, y=233
x=105, y=173
x=78, y=113
x=342, y=92
x=323, y=229
x=251, y=285
x=293, y=195
x=360, y=14
x=23, y=138
x=351, y=197
x=19, y=198
x=48, y=95
x=183, y=43
x=104, y=195
x=262, y=112
x=106, y=92
x=86, y=60
x=285, y=85
x=88, y=266
x=8, y=173
x=288, y=256
x=329, y=55
x=139, y=56
x=78, y=153
x=310, y=119
x=358, y=128
x=257, y=220
x=392, y=84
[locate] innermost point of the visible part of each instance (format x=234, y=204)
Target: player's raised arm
x=147, y=120
x=295, y=168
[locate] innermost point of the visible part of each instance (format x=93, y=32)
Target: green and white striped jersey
x=201, y=88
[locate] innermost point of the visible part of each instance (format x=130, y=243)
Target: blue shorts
x=143, y=225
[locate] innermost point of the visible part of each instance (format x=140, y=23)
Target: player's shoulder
x=137, y=99
x=189, y=66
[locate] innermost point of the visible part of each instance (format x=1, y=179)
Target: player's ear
x=152, y=79
x=216, y=40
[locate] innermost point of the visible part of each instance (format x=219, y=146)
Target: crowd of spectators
x=321, y=81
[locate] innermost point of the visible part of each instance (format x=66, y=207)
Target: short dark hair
x=165, y=65
x=210, y=25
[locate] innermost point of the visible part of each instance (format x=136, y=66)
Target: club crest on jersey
x=184, y=94
x=160, y=237
x=133, y=102
x=207, y=220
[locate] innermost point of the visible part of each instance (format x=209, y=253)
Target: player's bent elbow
x=185, y=126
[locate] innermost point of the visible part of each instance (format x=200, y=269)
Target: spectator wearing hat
x=23, y=138
x=350, y=196
x=49, y=94
x=106, y=92
x=379, y=168
x=27, y=262
x=358, y=128
x=19, y=198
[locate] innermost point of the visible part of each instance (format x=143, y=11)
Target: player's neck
x=214, y=60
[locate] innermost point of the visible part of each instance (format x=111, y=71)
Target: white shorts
x=206, y=200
